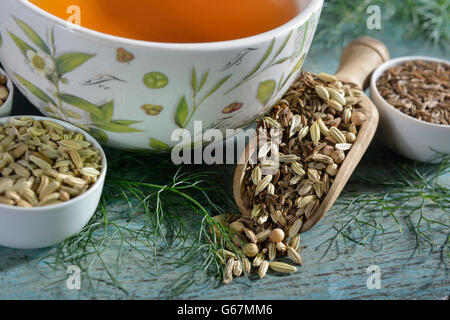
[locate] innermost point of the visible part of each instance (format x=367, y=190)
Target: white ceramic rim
x=10, y=87
x=96, y=185
x=304, y=15
x=394, y=62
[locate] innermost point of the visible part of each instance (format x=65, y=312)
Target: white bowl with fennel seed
x=47, y=222
x=5, y=103
x=419, y=140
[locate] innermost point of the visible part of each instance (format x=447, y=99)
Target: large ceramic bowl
x=134, y=94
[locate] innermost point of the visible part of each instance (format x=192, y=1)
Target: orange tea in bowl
x=177, y=21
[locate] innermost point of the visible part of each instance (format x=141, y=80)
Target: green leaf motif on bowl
x=101, y=117
x=266, y=90
x=158, y=145
x=260, y=68
x=296, y=68
x=83, y=104
x=116, y=126
x=263, y=59
x=32, y=35
x=70, y=61
x=38, y=93
x=22, y=45
x=204, y=79
x=125, y=122
x=182, y=112
x=216, y=87
x=108, y=110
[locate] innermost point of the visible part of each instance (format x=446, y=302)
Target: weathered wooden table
x=405, y=272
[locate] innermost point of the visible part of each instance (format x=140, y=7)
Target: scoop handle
x=360, y=58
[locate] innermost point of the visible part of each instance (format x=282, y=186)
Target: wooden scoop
x=359, y=59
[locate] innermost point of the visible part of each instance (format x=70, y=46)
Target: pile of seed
x=4, y=93
x=318, y=120
x=42, y=163
x=420, y=89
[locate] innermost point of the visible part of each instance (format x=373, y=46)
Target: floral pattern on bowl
x=130, y=96
x=45, y=62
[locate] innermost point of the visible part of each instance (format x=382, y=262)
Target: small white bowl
x=40, y=227
x=412, y=138
x=5, y=109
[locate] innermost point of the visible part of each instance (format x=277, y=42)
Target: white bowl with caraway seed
x=412, y=138
x=40, y=227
